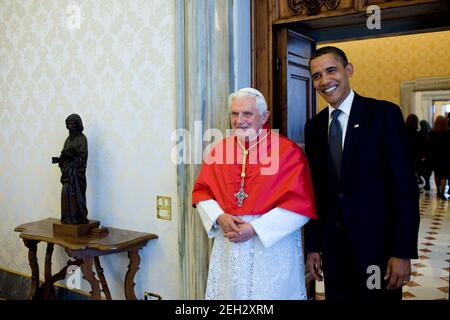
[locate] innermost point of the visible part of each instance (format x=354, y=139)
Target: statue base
x=75, y=230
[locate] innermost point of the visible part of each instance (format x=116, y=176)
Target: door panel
x=297, y=104
x=295, y=99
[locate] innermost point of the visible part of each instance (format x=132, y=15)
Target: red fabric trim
x=289, y=187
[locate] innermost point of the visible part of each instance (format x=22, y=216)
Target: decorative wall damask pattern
x=114, y=64
x=381, y=64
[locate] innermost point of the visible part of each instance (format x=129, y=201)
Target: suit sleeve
x=313, y=227
x=403, y=184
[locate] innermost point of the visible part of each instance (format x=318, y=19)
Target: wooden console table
x=85, y=250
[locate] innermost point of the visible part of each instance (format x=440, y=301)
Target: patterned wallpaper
x=381, y=64
x=112, y=62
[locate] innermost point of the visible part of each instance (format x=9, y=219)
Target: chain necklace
x=241, y=195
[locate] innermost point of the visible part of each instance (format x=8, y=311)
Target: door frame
x=338, y=25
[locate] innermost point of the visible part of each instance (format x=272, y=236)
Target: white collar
x=259, y=132
x=345, y=106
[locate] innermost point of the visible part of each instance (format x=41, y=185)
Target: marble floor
x=430, y=272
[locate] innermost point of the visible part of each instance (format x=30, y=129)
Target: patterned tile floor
x=430, y=273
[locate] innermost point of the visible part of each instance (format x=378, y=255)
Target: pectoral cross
x=241, y=195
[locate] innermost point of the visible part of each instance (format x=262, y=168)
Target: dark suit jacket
x=377, y=198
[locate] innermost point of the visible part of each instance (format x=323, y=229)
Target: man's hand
x=246, y=232
x=398, y=272
x=229, y=223
x=314, y=265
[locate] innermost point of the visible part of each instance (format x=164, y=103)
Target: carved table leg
x=133, y=267
x=63, y=272
x=48, y=288
x=102, y=278
x=89, y=275
x=32, y=259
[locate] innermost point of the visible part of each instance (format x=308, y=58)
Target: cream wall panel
x=381, y=64
x=118, y=72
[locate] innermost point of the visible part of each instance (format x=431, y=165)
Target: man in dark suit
x=366, y=192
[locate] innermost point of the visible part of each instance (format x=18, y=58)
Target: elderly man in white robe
x=254, y=216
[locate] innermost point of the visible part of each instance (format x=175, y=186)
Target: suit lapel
x=353, y=135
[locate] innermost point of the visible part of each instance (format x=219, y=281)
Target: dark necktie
x=335, y=141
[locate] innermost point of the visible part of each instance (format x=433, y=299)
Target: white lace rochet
x=251, y=271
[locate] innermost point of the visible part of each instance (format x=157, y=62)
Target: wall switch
x=164, y=207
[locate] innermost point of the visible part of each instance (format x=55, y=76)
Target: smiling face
x=246, y=119
x=331, y=78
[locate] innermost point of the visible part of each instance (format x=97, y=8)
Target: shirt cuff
x=277, y=224
x=209, y=211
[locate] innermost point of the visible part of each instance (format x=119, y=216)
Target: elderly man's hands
x=235, y=229
x=246, y=232
x=229, y=222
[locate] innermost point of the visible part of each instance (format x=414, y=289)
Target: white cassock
x=269, y=266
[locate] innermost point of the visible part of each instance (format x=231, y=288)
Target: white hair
x=261, y=103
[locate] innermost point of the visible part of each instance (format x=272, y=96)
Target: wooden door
x=294, y=94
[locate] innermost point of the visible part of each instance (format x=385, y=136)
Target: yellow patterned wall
x=112, y=62
x=381, y=64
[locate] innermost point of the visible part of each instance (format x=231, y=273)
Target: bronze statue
x=73, y=162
